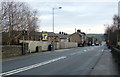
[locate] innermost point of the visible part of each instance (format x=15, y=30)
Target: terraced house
x=79, y=37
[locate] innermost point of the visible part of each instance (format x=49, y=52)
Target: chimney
x=79, y=30
x=75, y=30
x=59, y=32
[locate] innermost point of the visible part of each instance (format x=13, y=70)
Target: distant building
x=79, y=37
x=49, y=36
x=91, y=40
x=33, y=36
x=63, y=37
x=95, y=38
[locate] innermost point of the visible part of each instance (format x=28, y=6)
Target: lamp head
x=60, y=7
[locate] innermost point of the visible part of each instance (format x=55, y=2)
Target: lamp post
x=118, y=22
x=53, y=23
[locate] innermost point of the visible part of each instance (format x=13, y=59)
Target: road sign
x=24, y=32
x=44, y=36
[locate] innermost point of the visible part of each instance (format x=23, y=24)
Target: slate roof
x=62, y=36
x=50, y=34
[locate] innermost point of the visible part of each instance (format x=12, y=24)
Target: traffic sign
x=24, y=32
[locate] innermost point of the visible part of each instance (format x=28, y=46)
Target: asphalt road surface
x=75, y=61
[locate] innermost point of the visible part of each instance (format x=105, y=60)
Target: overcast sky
x=89, y=16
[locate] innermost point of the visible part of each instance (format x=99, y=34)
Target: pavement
x=92, y=60
x=106, y=65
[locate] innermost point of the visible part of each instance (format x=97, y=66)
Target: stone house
x=39, y=36
x=63, y=37
x=79, y=37
x=34, y=36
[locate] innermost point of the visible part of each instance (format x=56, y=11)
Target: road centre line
x=78, y=52
x=31, y=66
x=72, y=53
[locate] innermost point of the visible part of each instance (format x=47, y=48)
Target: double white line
x=31, y=66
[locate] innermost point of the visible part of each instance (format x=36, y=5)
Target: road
x=75, y=61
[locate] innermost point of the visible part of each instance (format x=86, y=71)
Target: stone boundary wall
x=58, y=45
x=67, y=45
x=11, y=50
x=16, y=50
x=33, y=44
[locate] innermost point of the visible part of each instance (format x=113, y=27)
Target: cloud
x=45, y=17
x=65, y=0
x=96, y=28
x=94, y=14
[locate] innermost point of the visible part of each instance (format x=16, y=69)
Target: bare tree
x=113, y=33
x=16, y=16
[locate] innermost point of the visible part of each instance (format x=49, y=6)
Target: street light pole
x=53, y=23
x=53, y=26
x=118, y=21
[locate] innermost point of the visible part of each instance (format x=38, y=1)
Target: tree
x=112, y=32
x=17, y=16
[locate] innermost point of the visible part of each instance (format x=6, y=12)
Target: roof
x=50, y=34
x=62, y=36
x=77, y=33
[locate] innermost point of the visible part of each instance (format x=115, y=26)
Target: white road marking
x=85, y=50
x=98, y=54
x=72, y=53
x=62, y=50
x=31, y=66
x=78, y=52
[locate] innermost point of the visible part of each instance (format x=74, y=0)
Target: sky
x=89, y=16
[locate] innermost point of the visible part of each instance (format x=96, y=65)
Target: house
x=17, y=37
x=63, y=37
x=46, y=36
x=90, y=41
x=79, y=37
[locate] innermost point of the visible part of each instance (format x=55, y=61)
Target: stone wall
x=33, y=44
x=16, y=50
x=58, y=45
x=67, y=45
x=11, y=50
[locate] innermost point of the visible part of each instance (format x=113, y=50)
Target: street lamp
x=118, y=22
x=53, y=23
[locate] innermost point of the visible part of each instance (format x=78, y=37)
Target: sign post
x=24, y=32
